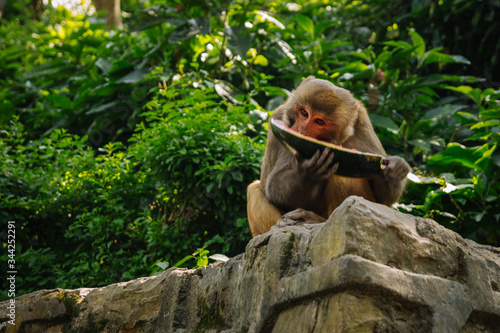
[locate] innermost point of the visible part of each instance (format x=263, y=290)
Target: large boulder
x=368, y=268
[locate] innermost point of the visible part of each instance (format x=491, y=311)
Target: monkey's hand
x=396, y=169
x=299, y=216
x=316, y=168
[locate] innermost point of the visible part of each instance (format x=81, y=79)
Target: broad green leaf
x=472, y=93
x=320, y=26
x=456, y=156
x=442, y=111
x=384, y=122
x=239, y=39
x=306, y=23
x=428, y=80
x=434, y=55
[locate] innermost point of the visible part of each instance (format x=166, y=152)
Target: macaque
x=297, y=190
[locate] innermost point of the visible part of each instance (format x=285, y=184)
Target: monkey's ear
x=346, y=134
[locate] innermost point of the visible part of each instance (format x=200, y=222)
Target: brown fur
x=281, y=190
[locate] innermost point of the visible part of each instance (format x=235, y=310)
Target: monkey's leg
x=300, y=216
x=262, y=215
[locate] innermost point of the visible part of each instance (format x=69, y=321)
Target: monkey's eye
x=320, y=122
x=304, y=113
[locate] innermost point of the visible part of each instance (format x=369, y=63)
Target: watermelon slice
x=352, y=163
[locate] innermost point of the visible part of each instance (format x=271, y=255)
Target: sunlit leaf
x=487, y=123
x=418, y=41
x=473, y=93
x=260, y=60
x=306, y=23
x=456, y=156
x=219, y=257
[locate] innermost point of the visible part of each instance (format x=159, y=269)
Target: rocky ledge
x=368, y=268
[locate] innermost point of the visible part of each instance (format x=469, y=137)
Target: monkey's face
x=314, y=124
x=323, y=111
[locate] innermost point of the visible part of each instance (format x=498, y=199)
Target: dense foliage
x=122, y=152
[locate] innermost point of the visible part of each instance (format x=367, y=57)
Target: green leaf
x=472, y=93
x=120, y=65
x=183, y=260
x=434, y=55
x=260, y=60
x=487, y=154
x=202, y=261
x=239, y=39
x=456, y=156
x=460, y=59
x=399, y=44
x=306, y=23
x=425, y=145
x=133, y=77
x=103, y=65
x=489, y=114
x=238, y=176
x=418, y=41
x=487, y=123
x=384, y=122
x=442, y=111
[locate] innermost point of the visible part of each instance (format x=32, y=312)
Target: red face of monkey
x=323, y=111
x=313, y=124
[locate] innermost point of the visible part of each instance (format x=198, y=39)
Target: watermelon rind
x=351, y=163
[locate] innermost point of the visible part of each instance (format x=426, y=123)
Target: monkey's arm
x=389, y=186
x=295, y=182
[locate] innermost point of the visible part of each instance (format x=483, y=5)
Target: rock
x=368, y=268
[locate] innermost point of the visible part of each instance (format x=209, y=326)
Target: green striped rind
x=351, y=163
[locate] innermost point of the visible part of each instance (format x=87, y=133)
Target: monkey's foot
x=299, y=216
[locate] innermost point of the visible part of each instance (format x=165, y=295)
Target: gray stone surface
x=369, y=268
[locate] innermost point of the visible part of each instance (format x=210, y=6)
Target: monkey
x=294, y=190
